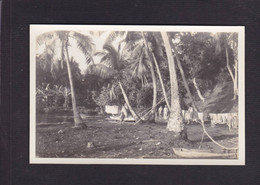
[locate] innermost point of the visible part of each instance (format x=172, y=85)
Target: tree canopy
x=133, y=66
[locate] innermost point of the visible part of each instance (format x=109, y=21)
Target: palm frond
x=133, y=36
x=84, y=43
x=100, y=70
x=111, y=56
x=107, y=60
x=125, y=55
x=100, y=53
x=138, y=50
x=41, y=39
x=113, y=36
x=139, y=66
x=110, y=49
x=89, y=59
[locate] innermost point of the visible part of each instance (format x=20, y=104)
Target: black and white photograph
x=111, y=94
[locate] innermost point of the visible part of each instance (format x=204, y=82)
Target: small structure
x=112, y=109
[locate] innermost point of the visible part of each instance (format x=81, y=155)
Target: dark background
x=16, y=17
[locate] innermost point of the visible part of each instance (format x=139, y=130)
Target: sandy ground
x=109, y=139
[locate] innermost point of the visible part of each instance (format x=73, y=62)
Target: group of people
x=163, y=112
x=191, y=116
x=231, y=119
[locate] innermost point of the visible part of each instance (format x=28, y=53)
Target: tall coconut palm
x=143, y=59
x=184, y=78
x=111, y=63
x=151, y=65
x=153, y=46
x=56, y=49
x=176, y=122
x=141, y=62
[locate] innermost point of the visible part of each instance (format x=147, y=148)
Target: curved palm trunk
x=153, y=111
x=184, y=78
x=77, y=119
x=234, y=77
x=236, y=81
x=198, y=90
x=161, y=81
x=175, y=122
x=136, y=117
x=228, y=66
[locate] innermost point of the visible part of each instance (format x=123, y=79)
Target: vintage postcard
x=154, y=95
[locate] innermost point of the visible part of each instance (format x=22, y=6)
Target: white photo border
x=37, y=29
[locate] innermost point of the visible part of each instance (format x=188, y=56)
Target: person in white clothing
x=124, y=113
x=160, y=111
x=165, y=112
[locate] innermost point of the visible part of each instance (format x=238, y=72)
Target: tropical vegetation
x=142, y=69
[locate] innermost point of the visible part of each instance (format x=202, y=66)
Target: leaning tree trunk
x=161, y=81
x=198, y=90
x=236, y=81
x=136, y=117
x=234, y=77
x=184, y=79
x=228, y=66
x=77, y=119
x=153, y=111
x=175, y=122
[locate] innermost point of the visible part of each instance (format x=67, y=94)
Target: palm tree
x=140, y=62
x=112, y=62
x=143, y=59
x=153, y=111
x=184, y=78
x=153, y=59
x=175, y=122
x=56, y=50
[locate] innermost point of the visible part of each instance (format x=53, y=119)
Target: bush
x=144, y=99
x=103, y=98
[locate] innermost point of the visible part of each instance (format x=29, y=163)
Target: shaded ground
x=55, y=136
x=108, y=139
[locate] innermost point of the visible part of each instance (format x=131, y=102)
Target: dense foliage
x=124, y=59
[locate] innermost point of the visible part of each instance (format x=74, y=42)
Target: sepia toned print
x=171, y=95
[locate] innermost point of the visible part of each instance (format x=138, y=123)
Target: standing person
x=160, y=111
x=190, y=115
x=165, y=112
x=124, y=113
